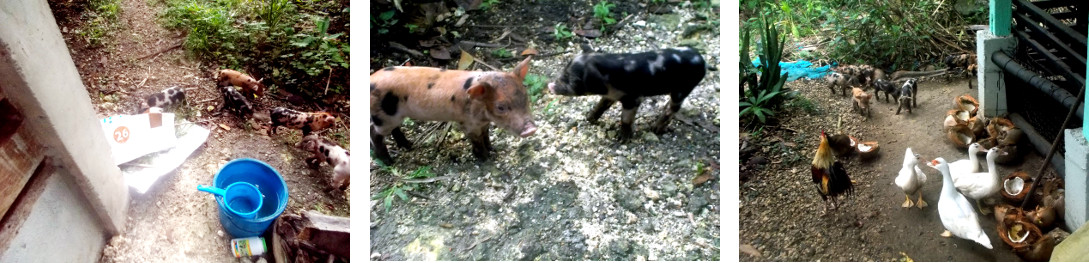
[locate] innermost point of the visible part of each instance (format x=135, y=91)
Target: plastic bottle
x=250, y=246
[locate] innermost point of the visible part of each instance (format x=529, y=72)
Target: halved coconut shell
x=1016, y=186
x=966, y=103
x=867, y=150
x=998, y=125
x=961, y=136
x=1018, y=232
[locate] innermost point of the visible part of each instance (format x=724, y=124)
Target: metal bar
x=1052, y=59
x=1039, y=142
x=1054, y=146
x=1039, y=31
x=1052, y=4
x=1066, y=32
x=1006, y=63
x=1066, y=15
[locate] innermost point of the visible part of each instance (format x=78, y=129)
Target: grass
x=102, y=21
x=399, y=188
x=806, y=105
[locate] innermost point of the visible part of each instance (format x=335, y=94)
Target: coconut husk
x=1007, y=186
x=961, y=136
x=966, y=103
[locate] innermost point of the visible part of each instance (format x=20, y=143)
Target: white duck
x=955, y=211
x=911, y=179
x=963, y=167
x=980, y=185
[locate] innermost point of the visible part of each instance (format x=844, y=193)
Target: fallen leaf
x=465, y=61
x=749, y=249
x=440, y=52
x=224, y=126
x=210, y=107
x=702, y=178
x=529, y=51
x=428, y=42
x=590, y=33
x=906, y=258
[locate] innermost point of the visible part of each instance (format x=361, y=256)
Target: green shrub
x=761, y=99
x=287, y=43
x=899, y=36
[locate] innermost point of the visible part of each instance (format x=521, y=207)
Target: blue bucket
x=267, y=180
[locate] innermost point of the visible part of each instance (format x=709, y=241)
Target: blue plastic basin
x=267, y=180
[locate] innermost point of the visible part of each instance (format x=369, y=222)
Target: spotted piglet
x=306, y=121
x=328, y=151
x=475, y=99
x=249, y=85
x=168, y=98
x=235, y=102
x=630, y=77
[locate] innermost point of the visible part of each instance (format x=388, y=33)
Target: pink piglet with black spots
x=328, y=151
x=306, y=121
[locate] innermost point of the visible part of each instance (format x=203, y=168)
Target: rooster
x=828, y=173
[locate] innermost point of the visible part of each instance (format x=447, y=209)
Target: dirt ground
x=570, y=191
x=780, y=210
x=173, y=222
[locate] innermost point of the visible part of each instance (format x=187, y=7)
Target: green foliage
x=288, y=43
x=488, y=4
x=321, y=51
x=384, y=20
x=399, y=189
x=900, y=36
x=102, y=18
x=601, y=11
x=502, y=53
x=561, y=32
x=763, y=94
x=758, y=106
x=535, y=84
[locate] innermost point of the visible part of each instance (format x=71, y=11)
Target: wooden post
x=1001, y=14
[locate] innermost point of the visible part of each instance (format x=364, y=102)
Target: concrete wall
x=37, y=74
x=61, y=227
x=1077, y=189
x=992, y=97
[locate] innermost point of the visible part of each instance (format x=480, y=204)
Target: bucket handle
x=213, y=190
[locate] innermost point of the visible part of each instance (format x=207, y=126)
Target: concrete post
x=992, y=92
x=1077, y=170
x=38, y=75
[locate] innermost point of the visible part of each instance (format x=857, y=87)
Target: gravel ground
x=780, y=210
x=569, y=192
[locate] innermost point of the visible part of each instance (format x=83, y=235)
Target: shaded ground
x=780, y=208
x=173, y=222
x=569, y=192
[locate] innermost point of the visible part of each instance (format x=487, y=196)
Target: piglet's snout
x=552, y=87
x=529, y=130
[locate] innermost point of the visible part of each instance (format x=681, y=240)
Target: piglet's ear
x=479, y=90
x=522, y=69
